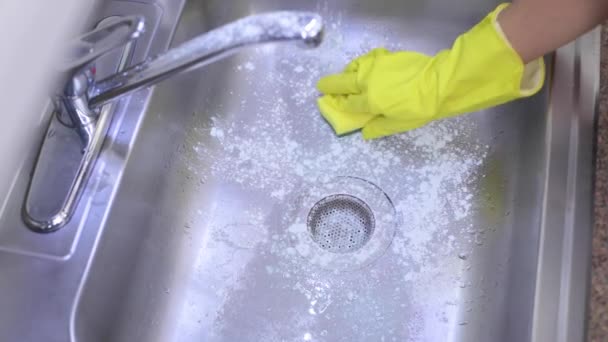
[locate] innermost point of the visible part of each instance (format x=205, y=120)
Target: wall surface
x=31, y=33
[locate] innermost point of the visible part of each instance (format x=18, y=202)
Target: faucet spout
x=83, y=96
x=305, y=27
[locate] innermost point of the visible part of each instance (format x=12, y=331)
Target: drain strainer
x=341, y=223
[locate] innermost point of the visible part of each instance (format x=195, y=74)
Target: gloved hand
x=385, y=93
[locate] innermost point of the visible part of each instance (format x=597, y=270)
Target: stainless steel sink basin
x=225, y=209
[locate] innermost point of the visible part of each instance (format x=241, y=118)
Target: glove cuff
x=533, y=74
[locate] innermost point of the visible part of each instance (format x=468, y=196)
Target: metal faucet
x=83, y=96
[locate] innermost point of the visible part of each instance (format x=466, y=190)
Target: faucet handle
x=89, y=46
x=112, y=32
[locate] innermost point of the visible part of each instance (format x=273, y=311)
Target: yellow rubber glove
x=386, y=93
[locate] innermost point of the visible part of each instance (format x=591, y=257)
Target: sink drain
x=341, y=223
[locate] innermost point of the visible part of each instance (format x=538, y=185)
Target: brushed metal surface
x=206, y=185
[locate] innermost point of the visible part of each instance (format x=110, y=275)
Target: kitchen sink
x=223, y=207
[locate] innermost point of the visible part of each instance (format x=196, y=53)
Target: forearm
x=537, y=27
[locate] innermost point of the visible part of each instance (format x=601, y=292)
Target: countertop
x=598, y=305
